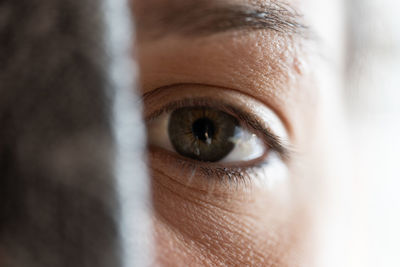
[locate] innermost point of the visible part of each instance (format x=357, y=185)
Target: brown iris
x=202, y=133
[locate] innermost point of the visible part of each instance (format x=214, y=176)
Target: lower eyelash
x=231, y=176
x=235, y=176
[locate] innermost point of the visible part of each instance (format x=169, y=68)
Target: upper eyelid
x=251, y=121
x=161, y=90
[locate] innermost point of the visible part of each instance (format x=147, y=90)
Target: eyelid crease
x=251, y=121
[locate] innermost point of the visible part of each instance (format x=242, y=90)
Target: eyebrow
x=203, y=17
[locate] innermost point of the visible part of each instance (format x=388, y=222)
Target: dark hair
x=57, y=199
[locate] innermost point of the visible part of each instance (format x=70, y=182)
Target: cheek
x=239, y=227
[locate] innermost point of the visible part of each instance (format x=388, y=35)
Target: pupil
x=203, y=129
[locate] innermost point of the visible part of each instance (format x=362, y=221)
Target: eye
x=229, y=137
x=206, y=134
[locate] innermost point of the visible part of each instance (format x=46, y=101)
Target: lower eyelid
x=196, y=175
x=211, y=178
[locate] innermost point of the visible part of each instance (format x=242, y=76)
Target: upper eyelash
x=250, y=121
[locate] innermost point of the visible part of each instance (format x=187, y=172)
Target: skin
x=202, y=221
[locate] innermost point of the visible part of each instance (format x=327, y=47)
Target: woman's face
x=238, y=109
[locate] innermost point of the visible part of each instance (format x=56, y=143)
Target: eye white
x=248, y=146
x=158, y=132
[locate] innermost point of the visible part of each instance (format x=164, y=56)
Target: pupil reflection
x=204, y=129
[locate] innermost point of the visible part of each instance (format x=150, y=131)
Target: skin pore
x=261, y=58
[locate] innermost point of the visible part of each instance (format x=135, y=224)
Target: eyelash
x=215, y=171
x=229, y=175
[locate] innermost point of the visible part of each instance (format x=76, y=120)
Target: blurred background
x=372, y=97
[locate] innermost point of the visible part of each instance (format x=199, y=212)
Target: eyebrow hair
x=203, y=17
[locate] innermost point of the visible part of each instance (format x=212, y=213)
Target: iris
x=202, y=133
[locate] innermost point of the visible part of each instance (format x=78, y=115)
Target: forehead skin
x=282, y=70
